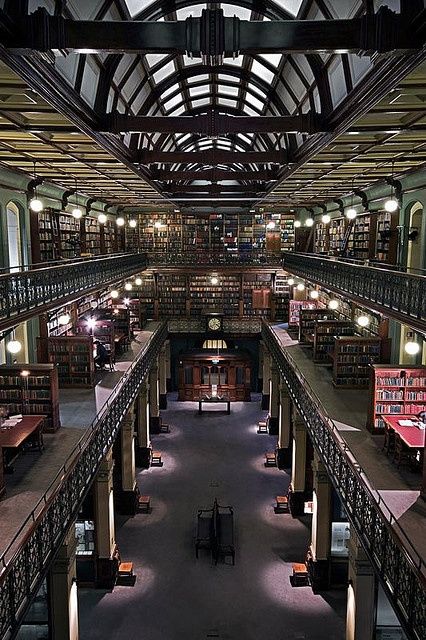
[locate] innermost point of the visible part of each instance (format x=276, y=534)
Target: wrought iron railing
x=23, y=564
x=394, y=293
x=31, y=291
x=401, y=570
x=213, y=258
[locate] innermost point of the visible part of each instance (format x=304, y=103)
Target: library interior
x=212, y=319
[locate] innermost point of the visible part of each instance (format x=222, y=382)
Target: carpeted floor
x=177, y=597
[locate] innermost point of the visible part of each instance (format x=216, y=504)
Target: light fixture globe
x=36, y=205
x=391, y=205
x=77, y=213
x=333, y=305
x=271, y=224
x=14, y=346
x=132, y=223
x=363, y=321
x=309, y=222
x=325, y=218
x=102, y=218
x=120, y=222
x=128, y=286
x=314, y=294
x=411, y=347
x=114, y=294
x=290, y=281
x=138, y=282
x=300, y=286
x=64, y=318
x=297, y=224
x=350, y=213
x=214, y=280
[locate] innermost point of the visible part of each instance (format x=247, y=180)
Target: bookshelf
x=121, y=317
x=287, y=232
x=53, y=326
x=361, y=239
x=33, y=394
x=230, y=237
x=395, y=390
x=352, y=356
x=307, y=320
x=74, y=358
x=337, y=232
x=281, y=297
x=324, y=333
x=69, y=235
x=322, y=238
x=245, y=236
x=386, y=237
x=91, y=240
x=294, y=310
x=103, y=330
x=172, y=294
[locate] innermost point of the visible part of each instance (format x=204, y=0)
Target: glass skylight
x=136, y=6
x=198, y=91
x=228, y=91
x=153, y=58
x=164, y=72
x=274, y=59
x=170, y=104
x=227, y=103
x=261, y=71
x=292, y=6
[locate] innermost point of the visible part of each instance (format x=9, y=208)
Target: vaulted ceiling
x=287, y=125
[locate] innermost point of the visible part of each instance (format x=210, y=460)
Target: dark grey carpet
x=177, y=597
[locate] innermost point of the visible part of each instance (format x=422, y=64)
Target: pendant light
x=102, y=218
x=309, y=222
x=35, y=204
x=392, y=204
x=326, y=218
x=14, y=346
x=76, y=212
x=297, y=224
x=132, y=223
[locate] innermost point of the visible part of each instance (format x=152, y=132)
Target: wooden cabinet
x=229, y=371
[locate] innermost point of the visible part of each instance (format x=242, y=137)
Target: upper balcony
x=387, y=289
x=29, y=291
x=213, y=258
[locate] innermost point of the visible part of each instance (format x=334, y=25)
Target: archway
x=414, y=251
x=14, y=239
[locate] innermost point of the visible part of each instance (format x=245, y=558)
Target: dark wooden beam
x=211, y=189
x=211, y=156
x=211, y=36
x=214, y=175
x=213, y=124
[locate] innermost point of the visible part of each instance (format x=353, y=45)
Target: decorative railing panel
x=214, y=258
x=25, y=561
x=401, y=570
x=27, y=293
x=395, y=293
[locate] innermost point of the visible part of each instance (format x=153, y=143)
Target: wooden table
x=11, y=438
x=412, y=437
x=214, y=400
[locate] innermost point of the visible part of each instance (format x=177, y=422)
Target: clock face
x=214, y=324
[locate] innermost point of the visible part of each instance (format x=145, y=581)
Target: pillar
x=63, y=609
x=168, y=366
x=105, y=525
x=154, y=407
x=361, y=605
x=265, y=378
x=296, y=492
x=143, y=442
x=274, y=399
x=162, y=381
x=319, y=550
x=260, y=366
x=127, y=494
x=284, y=429
x=423, y=491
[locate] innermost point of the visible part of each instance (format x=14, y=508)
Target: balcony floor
x=399, y=489
x=34, y=470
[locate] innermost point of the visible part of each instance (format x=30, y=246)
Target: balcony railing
x=401, y=570
x=24, y=563
x=392, y=292
x=213, y=258
x=30, y=291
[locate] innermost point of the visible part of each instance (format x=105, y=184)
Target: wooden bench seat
x=300, y=575
x=270, y=459
x=156, y=459
x=144, y=503
x=281, y=504
x=164, y=428
x=262, y=427
x=125, y=575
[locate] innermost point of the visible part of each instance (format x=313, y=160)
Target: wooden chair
x=125, y=575
x=300, y=576
x=262, y=426
x=156, y=459
x=281, y=504
x=144, y=504
x=270, y=459
x=401, y=453
x=389, y=441
x=164, y=428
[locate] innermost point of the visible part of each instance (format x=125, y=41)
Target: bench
x=281, y=504
x=204, y=536
x=164, y=428
x=262, y=427
x=156, y=459
x=224, y=533
x=144, y=504
x=270, y=459
x=300, y=576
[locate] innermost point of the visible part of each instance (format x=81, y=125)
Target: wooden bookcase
x=307, y=320
x=257, y=289
x=294, y=310
x=337, y=231
x=74, y=358
x=281, y=298
x=91, y=236
x=322, y=238
x=172, y=294
x=104, y=331
x=361, y=243
x=352, y=356
x=70, y=235
x=287, y=232
x=387, y=237
x=324, y=333
x=33, y=394
x=121, y=317
x=395, y=390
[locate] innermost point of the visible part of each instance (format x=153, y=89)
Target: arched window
x=414, y=255
x=214, y=344
x=13, y=236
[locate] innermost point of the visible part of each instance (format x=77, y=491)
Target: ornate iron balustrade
x=208, y=258
x=27, y=558
x=394, y=293
x=401, y=570
x=26, y=293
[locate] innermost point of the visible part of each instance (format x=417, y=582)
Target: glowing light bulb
x=91, y=323
x=158, y=224
x=297, y=224
x=391, y=205
x=25, y=373
x=363, y=321
x=314, y=294
x=325, y=218
x=120, y=222
x=411, y=347
x=333, y=305
x=300, y=286
x=350, y=213
x=138, y=282
x=128, y=286
x=64, y=318
x=36, y=205
x=102, y=218
x=309, y=222
x=114, y=293
x=290, y=281
x=126, y=301
x=214, y=280
x=77, y=213
x=132, y=223
x=14, y=346
x=271, y=225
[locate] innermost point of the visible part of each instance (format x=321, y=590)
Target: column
x=127, y=494
x=260, y=366
x=274, y=399
x=423, y=491
x=296, y=492
x=168, y=366
x=154, y=407
x=143, y=447
x=265, y=378
x=361, y=606
x=162, y=381
x=284, y=429
x=319, y=550
x=63, y=610
x=105, y=525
